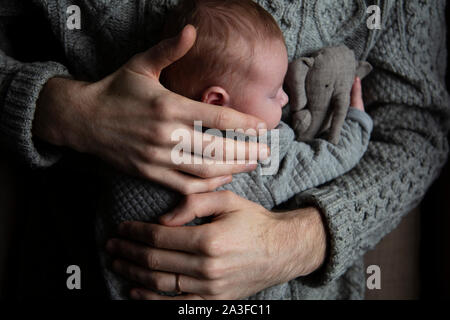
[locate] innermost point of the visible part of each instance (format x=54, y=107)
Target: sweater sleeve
x=20, y=85
x=407, y=99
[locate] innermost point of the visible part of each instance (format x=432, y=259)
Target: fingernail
x=168, y=216
x=135, y=294
x=226, y=179
x=264, y=153
x=250, y=166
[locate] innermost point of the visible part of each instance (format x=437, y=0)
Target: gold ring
x=177, y=284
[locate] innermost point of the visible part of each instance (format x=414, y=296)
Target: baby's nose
x=284, y=99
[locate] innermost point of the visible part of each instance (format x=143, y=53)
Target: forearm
x=62, y=114
x=300, y=243
x=361, y=207
x=409, y=105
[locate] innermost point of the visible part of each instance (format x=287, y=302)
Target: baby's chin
x=272, y=123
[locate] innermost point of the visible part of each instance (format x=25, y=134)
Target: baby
x=239, y=60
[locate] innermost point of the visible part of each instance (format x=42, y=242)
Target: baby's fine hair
x=227, y=34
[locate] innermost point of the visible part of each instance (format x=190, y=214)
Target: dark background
x=38, y=240
x=435, y=227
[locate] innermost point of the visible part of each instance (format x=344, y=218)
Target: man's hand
x=244, y=250
x=128, y=118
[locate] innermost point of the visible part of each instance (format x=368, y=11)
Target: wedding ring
x=177, y=284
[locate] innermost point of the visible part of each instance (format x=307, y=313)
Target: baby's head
x=239, y=58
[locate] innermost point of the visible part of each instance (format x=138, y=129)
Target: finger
x=193, y=165
x=155, y=59
x=183, y=183
x=202, y=205
x=221, y=118
x=143, y=294
x=220, y=148
x=186, y=238
x=210, y=170
x=188, y=140
x=356, y=95
x=155, y=259
x=161, y=281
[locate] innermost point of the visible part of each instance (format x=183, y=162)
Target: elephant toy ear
x=308, y=61
x=363, y=68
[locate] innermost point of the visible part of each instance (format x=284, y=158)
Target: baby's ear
x=217, y=96
x=363, y=68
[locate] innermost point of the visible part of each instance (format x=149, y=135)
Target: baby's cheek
x=270, y=114
x=275, y=117
x=267, y=111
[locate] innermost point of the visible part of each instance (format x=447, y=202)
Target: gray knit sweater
x=405, y=96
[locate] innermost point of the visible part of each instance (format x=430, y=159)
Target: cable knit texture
x=405, y=96
x=20, y=86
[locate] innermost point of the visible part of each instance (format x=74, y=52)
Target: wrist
x=306, y=248
x=61, y=113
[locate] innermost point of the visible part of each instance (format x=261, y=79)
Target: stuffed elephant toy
x=319, y=91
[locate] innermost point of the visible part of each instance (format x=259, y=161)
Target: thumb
x=201, y=205
x=356, y=95
x=166, y=52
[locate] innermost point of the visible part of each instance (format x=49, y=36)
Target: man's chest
x=110, y=31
